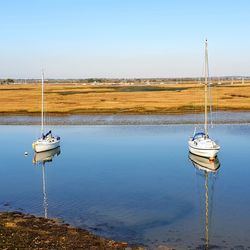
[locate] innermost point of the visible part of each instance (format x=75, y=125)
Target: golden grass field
x=63, y=99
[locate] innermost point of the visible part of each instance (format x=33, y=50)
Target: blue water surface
x=133, y=183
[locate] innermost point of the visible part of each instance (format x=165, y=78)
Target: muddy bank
x=217, y=117
x=21, y=231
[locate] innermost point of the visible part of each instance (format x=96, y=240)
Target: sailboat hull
x=44, y=145
x=208, y=152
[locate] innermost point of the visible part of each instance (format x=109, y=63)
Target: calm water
x=133, y=183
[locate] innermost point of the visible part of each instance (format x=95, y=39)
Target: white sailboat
x=46, y=141
x=200, y=143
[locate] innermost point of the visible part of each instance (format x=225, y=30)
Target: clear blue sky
x=123, y=38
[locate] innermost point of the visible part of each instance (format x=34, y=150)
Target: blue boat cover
x=197, y=135
x=44, y=136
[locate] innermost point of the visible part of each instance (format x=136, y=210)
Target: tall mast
x=206, y=87
x=42, y=116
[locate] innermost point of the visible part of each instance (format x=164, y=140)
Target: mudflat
x=20, y=231
x=65, y=99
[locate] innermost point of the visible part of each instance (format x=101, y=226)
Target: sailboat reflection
x=42, y=158
x=211, y=168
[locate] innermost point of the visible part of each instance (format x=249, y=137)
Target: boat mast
x=42, y=116
x=206, y=87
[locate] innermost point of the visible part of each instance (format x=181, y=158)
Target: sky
x=123, y=38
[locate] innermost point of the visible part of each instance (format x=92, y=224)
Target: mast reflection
x=206, y=167
x=41, y=159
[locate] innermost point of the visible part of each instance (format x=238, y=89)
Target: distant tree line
x=92, y=80
x=123, y=80
x=6, y=81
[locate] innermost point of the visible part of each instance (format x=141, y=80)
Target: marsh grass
x=63, y=99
